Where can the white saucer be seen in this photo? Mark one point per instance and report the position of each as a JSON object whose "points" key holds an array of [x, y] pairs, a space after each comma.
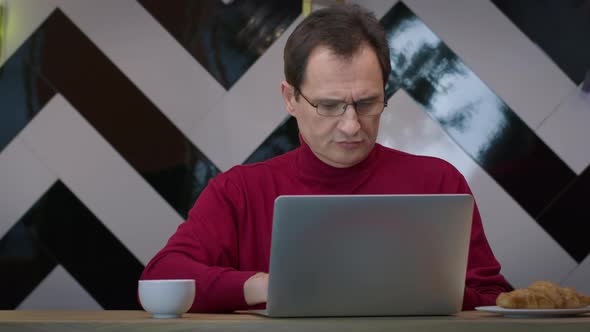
{"points": [[534, 312]]}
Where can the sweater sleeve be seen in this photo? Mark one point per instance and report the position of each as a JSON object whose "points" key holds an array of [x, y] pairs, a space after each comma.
{"points": [[204, 248], [483, 281]]}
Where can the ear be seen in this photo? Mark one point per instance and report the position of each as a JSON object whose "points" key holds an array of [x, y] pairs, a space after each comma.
{"points": [[288, 93]]}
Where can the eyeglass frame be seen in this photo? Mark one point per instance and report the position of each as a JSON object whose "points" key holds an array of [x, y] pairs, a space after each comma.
{"points": [[341, 102]]}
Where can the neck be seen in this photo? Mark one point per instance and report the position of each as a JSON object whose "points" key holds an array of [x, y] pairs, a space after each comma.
{"points": [[312, 168]]}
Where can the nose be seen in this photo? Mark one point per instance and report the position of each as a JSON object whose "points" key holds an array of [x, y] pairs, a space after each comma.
{"points": [[349, 123]]}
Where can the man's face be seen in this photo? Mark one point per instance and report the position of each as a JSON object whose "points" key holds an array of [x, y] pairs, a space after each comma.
{"points": [[345, 140]]}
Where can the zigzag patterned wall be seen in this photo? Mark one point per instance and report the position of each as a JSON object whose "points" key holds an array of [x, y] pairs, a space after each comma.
{"points": [[115, 114]]}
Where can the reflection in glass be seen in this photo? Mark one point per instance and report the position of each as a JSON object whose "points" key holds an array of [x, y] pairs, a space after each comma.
{"points": [[471, 114], [226, 39], [439, 80], [283, 139]]}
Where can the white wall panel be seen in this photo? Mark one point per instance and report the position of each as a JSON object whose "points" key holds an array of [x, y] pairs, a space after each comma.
{"points": [[101, 179], [566, 130], [152, 59], [59, 291], [23, 180], [579, 278], [379, 7], [248, 113]]}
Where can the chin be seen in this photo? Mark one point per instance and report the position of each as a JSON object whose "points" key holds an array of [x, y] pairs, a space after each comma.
{"points": [[350, 161]]}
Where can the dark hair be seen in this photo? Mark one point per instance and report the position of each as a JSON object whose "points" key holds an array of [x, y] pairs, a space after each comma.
{"points": [[344, 29]]}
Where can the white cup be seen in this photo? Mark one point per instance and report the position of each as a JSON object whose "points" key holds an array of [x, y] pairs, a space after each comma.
{"points": [[167, 298]]}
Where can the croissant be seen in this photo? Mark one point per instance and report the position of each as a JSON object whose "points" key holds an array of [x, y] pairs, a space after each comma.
{"points": [[543, 295]]}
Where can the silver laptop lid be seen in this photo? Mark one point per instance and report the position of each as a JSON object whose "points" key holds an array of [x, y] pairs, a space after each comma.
{"points": [[369, 255]]}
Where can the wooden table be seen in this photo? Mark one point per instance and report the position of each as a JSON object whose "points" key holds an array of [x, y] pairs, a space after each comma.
{"points": [[140, 321]]}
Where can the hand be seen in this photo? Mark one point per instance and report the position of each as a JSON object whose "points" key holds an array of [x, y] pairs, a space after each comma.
{"points": [[256, 289]]}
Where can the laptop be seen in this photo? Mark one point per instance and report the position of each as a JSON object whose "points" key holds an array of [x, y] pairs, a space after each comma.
{"points": [[368, 255]]}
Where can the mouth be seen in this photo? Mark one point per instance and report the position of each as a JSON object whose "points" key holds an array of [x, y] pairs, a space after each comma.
{"points": [[349, 145]]}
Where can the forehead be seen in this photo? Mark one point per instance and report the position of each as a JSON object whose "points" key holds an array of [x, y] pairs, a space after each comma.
{"points": [[326, 69]]}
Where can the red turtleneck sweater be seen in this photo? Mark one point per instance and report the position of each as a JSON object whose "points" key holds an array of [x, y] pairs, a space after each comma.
{"points": [[227, 236]]}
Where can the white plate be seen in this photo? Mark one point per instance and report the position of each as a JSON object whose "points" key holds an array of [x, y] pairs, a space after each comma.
{"points": [[534, 312]]}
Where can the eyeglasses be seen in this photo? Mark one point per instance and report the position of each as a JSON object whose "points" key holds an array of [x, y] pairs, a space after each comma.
{"points": [[337, 108]]}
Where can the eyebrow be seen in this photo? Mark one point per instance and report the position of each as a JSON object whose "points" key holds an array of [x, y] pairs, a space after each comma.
{"points": [[336, 100], [370, 98]]}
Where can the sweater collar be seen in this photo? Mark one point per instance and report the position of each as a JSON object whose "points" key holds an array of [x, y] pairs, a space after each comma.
{"points": [[311, 169]]}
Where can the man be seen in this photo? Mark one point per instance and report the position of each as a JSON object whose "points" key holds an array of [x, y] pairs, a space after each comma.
{"points": [[336, 66]]}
